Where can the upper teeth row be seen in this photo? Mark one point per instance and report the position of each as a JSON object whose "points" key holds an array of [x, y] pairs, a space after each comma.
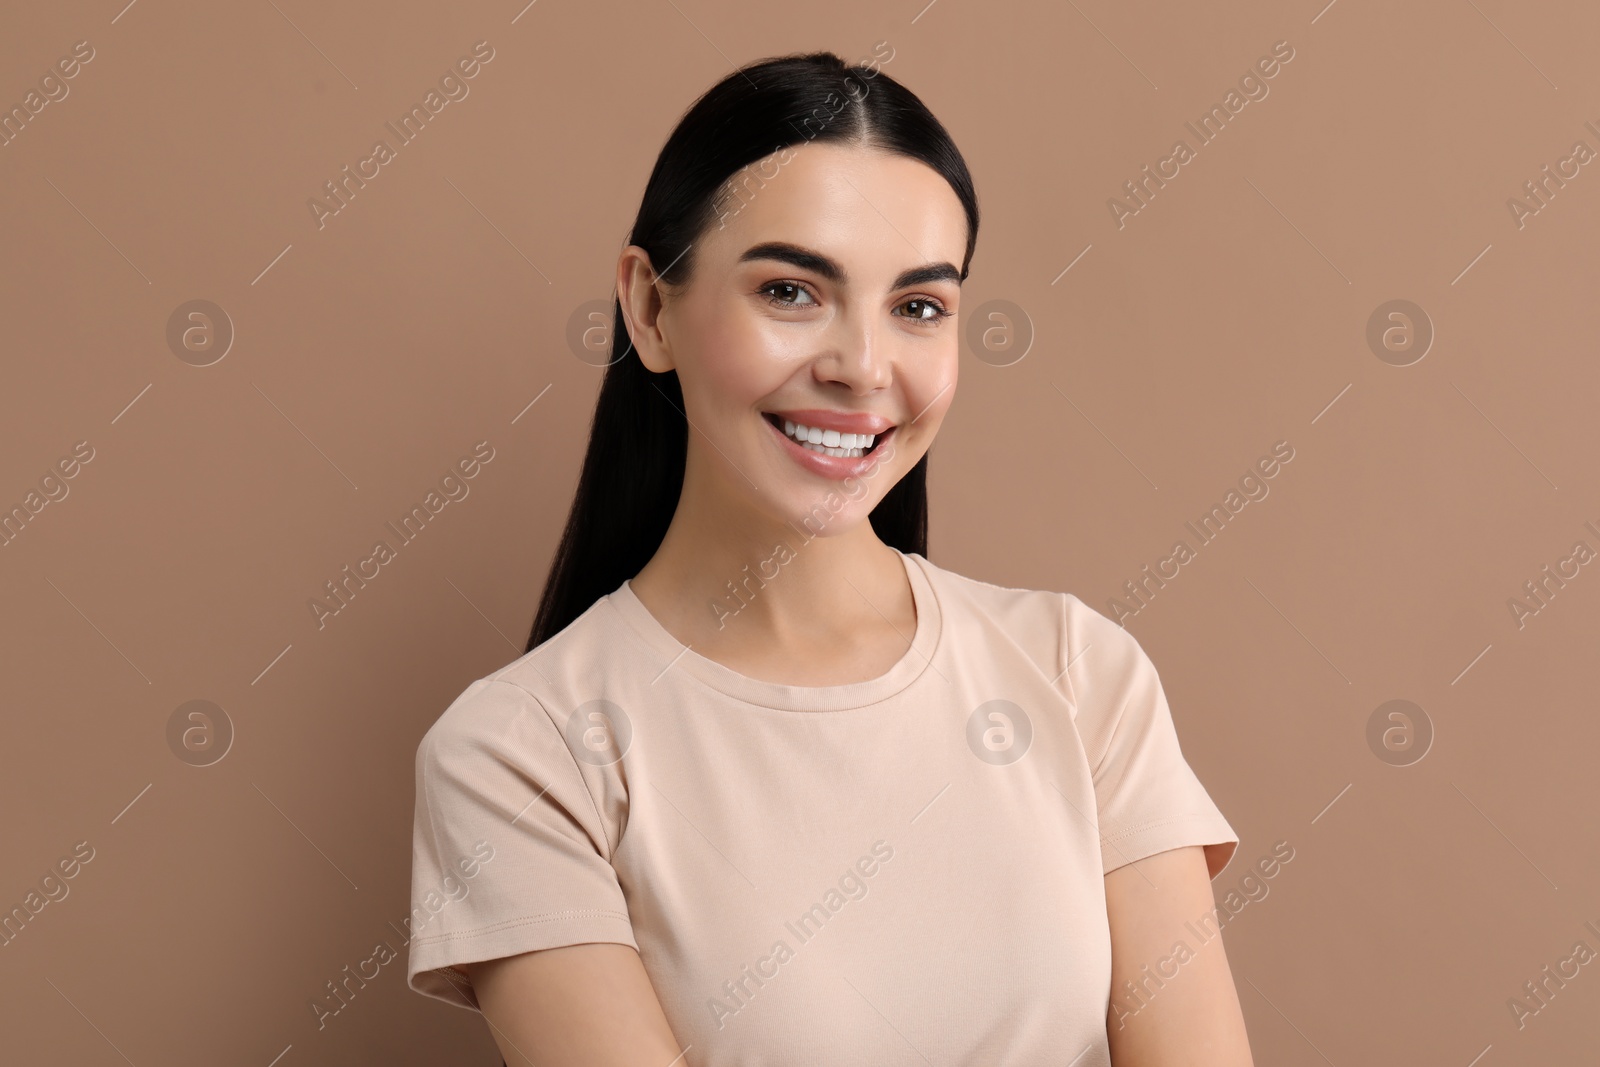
{"points": [[829, 438]]}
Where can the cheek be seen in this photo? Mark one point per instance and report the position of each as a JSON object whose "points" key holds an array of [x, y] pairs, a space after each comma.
{"points": [[930, 384], [739, 361]]}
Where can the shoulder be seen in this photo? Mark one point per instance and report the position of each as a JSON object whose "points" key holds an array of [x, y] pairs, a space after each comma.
{"points": [[1030, 618], [961, 592], [516, 697], [1051, 624]]}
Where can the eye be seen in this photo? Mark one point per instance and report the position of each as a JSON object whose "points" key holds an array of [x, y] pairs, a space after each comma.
{"points": [[927, 310], [787, 302]]}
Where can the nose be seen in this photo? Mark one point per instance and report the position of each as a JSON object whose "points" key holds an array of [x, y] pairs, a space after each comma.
{"points": [[857, 354]]}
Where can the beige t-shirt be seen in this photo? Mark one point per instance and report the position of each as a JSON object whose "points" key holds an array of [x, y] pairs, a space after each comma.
{"points": [[907, 870]]}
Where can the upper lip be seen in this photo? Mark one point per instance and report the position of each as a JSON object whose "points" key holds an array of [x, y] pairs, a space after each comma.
{"points": [[860, 422]]}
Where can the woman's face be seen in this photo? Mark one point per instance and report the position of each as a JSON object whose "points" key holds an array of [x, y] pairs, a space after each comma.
{"points": [[825, 299]]}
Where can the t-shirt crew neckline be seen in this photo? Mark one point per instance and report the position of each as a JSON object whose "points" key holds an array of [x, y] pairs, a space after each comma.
{"points": [[777, 695]]}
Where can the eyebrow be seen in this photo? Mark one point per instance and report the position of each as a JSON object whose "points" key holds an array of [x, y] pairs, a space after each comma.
{"points": [[817, 263]]}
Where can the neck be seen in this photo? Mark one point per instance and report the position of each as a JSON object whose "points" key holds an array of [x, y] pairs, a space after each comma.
{"points": [[726, 577]]}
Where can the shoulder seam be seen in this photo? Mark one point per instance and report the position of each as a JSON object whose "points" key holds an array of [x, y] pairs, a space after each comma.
{"points": [[611, 846], [1066, 658]]}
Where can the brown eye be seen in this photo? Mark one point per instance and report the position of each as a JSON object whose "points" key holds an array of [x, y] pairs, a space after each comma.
{"points": [[788, 288], [926, 310]]}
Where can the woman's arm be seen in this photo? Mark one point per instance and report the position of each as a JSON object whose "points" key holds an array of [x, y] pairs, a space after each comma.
{"points": [[1192, 1017], [586, 1005]]}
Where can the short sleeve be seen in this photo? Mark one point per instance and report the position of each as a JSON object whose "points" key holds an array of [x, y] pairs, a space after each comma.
{"points": [[509, 851], [1149, 798]]}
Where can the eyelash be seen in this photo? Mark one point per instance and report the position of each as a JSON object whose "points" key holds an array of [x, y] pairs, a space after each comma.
{"points": [[941, 312]]}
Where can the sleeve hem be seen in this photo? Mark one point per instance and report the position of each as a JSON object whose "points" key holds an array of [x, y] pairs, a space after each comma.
{"points": [[432, 962], [1211, 831]]}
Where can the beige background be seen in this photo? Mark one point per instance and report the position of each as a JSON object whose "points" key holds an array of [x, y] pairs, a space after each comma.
{"points": [[369, 355]]}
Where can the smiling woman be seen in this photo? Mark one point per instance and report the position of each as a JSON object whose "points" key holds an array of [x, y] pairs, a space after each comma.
{"points": [[669, 786]]}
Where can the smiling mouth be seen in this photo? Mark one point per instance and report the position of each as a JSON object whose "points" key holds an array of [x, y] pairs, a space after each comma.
{"points": [[827, 442]]}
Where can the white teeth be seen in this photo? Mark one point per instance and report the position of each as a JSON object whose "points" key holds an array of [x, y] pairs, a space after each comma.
{"points": [[829, 442]]}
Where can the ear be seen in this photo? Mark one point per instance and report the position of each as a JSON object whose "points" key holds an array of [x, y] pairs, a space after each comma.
{"points": [[640, 297]]}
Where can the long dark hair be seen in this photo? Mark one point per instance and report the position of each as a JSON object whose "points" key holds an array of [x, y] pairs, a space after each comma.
{"points": [[633, 469]]}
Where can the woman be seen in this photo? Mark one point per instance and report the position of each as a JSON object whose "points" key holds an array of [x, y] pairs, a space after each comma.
{"points": [[769, 787]]}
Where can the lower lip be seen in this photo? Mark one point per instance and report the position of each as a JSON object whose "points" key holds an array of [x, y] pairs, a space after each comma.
{"points": [[835, 467]]}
